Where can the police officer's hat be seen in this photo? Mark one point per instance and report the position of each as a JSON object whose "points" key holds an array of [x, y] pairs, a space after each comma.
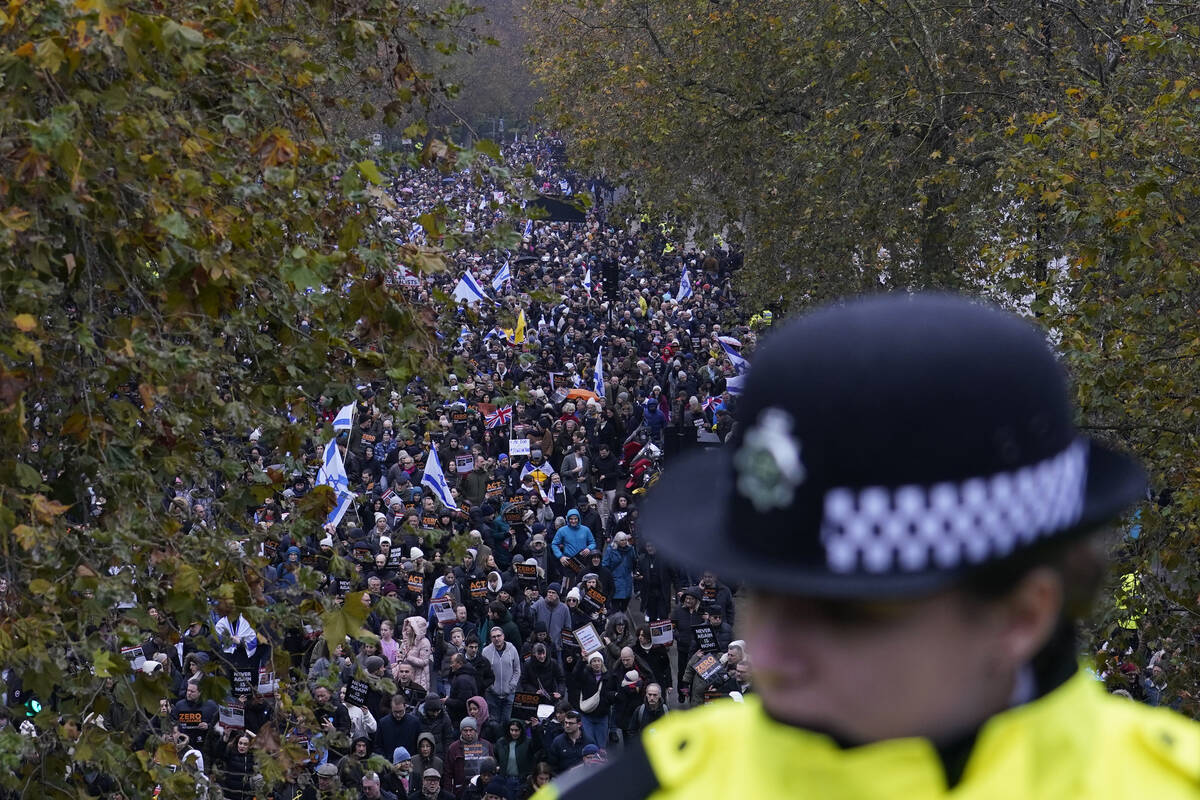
{"points": [[888, 447]]}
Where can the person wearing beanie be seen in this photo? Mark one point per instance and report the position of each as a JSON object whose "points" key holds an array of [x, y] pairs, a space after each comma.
{"points": [[457, 775], [588, 691], [400, 779]]}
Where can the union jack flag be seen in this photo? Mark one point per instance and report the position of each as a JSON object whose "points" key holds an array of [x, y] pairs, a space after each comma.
{"points": [[498, 418], [713, 404]]}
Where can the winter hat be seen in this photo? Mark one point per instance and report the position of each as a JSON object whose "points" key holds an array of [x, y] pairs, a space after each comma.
{"points": [[631, 678], [468, 722], [383, 539], [374, 663], [554, 587], [388, 588], [416, 553], [574, 594], [400, 754], [596, 656], [498, 787]]}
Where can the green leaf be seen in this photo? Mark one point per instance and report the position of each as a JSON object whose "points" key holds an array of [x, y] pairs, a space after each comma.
{"points": [[27, 476], [489, 148], [108, 664], [174, 224], [370, 171]]}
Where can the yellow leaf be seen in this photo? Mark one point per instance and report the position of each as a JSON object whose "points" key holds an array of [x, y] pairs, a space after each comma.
{"points": [[26, 536], [40, 586], [25, 322], [45, 510]]}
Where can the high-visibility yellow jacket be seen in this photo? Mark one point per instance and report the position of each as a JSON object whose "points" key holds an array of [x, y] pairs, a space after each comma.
{"points": [[1074, 742]]}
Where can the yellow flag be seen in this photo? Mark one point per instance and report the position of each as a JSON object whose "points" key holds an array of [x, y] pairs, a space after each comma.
{"points": [[519, 337]]}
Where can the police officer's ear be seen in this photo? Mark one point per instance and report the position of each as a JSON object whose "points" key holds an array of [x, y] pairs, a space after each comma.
{"points": [[1029, 614]]}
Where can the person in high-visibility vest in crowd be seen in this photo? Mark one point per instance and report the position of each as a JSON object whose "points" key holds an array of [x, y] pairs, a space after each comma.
{"points": [[909, 504]]}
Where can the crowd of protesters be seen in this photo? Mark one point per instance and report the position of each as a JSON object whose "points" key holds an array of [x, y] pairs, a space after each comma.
{"points": [[521, 625]]}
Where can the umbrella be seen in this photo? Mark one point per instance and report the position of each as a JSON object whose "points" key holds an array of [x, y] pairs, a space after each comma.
{"points": [[582, 394]]}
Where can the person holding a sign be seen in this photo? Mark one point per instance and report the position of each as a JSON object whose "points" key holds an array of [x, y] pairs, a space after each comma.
{"points": [[572, 540], [913, 509]]}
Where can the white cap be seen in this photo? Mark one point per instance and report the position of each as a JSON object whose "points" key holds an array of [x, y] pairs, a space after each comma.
{"points": [[416, 553]]}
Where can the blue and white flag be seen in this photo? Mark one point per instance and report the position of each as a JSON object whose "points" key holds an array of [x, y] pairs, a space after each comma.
{"points": [[503, 276], [344, 420], [333, 475], [740, 364], [528, 228], [469, 289], [685, 287], [587, 280], [735, 384], [435, 479], [598, 377]]}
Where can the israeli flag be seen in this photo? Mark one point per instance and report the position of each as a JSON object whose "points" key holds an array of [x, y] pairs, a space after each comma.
{"points": [[685, 287], [435, 479], [565, 186], [598, 378], [587, 280], [344, 420], [503, 276], [736, 384], [740, 364], [333, 475], [469, 289], [528, 228]]}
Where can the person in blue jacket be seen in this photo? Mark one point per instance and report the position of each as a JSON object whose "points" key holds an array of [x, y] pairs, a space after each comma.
{"points": [[620, 559], [654, 420], [572, 539]]}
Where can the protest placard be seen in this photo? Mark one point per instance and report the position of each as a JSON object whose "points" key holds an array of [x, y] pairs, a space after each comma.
{"points": [[706, 638], [356, 693], [443, 610], [464, 464], [526, 573], [593, 600], [525, 705], [135, 655], [662, 632], [241, 682], [708, 666], [232, 715], [589, 641], [518, 447]]}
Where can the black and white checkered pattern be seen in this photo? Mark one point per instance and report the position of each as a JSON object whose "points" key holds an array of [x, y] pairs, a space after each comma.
{"points": [[913, 528]]}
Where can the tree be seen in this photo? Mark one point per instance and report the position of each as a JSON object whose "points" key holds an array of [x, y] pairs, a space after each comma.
{"points": [[1038, 154], [190, 251]]}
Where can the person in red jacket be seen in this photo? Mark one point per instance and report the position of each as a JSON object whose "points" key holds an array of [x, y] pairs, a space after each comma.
{"points": [[464, 756]]}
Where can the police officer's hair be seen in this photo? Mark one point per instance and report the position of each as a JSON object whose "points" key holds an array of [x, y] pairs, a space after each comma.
{"points": [[1079, 563]]}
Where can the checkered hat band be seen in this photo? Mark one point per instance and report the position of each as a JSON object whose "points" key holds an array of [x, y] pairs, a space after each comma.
{"points": [[907, 529]]}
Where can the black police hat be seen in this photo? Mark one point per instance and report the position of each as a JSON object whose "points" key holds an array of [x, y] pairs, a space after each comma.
{"points": [[887, 447]]}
